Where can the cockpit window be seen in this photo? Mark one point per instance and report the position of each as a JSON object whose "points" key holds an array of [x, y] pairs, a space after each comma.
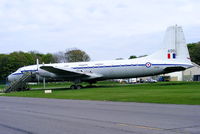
{"points": [[19, 70]]}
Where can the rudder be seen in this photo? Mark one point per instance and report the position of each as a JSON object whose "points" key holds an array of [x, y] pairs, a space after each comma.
{"points": [[175, 46]]}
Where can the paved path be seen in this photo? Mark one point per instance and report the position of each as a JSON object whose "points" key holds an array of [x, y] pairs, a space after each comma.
{"points": [[54, 116]]}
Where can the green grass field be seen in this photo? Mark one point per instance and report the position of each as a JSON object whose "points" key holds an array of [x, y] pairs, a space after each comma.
{"points": [[2, 87], [168, 93]]}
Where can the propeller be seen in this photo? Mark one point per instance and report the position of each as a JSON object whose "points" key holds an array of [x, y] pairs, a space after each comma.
{"points": [[37, 74], [37, 62]]}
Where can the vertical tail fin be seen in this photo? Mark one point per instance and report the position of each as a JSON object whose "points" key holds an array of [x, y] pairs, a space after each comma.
{"points": [[175, 46]]}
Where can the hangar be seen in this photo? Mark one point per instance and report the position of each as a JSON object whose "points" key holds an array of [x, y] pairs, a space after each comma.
{"points": [[191, 74]]}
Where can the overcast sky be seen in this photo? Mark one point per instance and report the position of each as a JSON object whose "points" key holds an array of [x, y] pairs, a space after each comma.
{"points": [[105, 29]]}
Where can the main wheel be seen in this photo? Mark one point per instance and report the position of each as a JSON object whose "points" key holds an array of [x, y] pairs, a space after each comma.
{"points": [[72, 87], [75, 87], [78, 87]]}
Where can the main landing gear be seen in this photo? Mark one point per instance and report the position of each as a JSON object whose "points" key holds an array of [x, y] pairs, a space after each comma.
{"points": [[76, 86]]}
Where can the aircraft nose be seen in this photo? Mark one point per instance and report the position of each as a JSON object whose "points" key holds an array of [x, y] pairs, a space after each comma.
{"points": [[10, 79]]}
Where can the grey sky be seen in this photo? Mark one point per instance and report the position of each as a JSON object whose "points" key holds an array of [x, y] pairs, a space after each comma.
{"points": [[105, 29]]}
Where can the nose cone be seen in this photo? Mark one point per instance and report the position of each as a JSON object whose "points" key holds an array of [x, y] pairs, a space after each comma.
{"points": [[10, 79]]}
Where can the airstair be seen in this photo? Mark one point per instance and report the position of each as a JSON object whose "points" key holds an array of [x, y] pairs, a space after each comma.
{"points": [[18, 85]]}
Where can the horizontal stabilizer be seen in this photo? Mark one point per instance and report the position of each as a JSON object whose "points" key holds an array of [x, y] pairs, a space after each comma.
{"points": [[173, 69]]}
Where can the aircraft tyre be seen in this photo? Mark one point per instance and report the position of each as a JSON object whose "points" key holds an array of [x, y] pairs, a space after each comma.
{"points": [[75, 87], [78, 87], [72, 87]]}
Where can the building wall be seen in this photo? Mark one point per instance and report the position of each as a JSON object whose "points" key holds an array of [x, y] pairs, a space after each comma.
{"points": [[176, 76], [186, 75], [192, 71]]}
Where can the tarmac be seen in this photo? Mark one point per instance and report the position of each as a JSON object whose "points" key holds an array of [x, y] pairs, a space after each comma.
{"points": [[56, 116]]}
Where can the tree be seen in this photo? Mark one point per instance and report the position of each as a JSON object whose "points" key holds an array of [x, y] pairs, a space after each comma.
{"points": [[119, 58], [5, 67], [11, 62], [132, 57], [60, 57], [194, 50], [142, 56], [48, 58], [76, 55]]}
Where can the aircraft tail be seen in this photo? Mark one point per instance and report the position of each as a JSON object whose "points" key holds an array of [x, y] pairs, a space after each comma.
{"points": [[175, 46]]}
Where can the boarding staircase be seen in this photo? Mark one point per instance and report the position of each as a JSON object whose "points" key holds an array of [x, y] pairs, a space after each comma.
{"points": [[19, 85]]}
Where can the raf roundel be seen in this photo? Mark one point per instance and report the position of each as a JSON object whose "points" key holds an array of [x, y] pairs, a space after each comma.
{"points": [[148, 64]]}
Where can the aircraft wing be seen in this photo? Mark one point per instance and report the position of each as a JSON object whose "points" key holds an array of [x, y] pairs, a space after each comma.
{"points": [[69, 72]]}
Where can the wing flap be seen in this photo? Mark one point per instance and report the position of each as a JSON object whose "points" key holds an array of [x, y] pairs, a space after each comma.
{"points": [[69, 72]]}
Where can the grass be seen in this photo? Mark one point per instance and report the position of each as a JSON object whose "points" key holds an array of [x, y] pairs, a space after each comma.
{"points": [[51, 85], [2, 87], [168, 93]]}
